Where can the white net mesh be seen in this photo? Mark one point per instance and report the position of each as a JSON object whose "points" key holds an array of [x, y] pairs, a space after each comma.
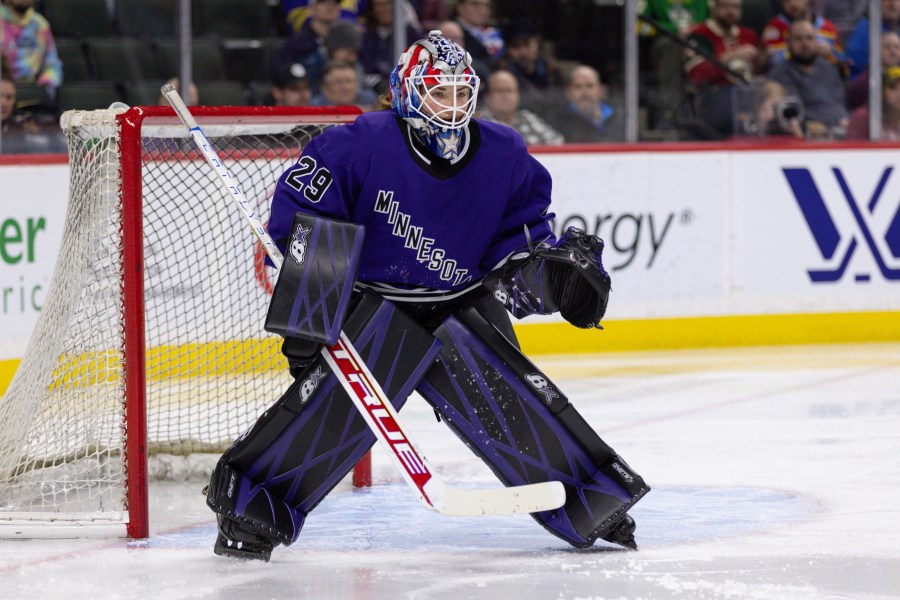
{"points": [[210, 368]]}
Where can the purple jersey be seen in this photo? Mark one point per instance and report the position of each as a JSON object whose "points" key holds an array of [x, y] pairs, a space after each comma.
{"points": [[429, 223]]}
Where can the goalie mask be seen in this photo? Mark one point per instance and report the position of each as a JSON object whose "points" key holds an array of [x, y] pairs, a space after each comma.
{"points": [[434, 89]]}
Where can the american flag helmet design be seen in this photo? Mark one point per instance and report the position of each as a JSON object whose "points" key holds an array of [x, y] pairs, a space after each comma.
{"points": [[434, 84]]}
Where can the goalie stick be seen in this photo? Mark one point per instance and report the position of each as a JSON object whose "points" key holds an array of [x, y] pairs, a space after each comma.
{"points": [[371, 401]]}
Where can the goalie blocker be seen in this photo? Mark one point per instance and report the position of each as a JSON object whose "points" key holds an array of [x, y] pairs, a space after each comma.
{"points": [[502, 407], [311, 295]]}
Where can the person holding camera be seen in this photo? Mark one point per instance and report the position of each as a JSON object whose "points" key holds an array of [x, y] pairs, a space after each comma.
{"points": [[815, 81], [773, 113]]}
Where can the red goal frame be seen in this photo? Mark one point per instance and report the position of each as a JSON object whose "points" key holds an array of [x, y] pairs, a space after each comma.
{"points": [[130, 124]]}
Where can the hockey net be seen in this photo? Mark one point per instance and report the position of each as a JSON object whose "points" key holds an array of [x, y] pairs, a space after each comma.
{"points": [[150, 342]]}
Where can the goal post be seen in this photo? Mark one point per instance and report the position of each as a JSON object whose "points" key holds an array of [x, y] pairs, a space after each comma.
{"points": [[151, 340]]}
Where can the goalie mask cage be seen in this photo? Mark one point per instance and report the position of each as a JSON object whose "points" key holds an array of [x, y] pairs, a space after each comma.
{"points": [[150, 342]]}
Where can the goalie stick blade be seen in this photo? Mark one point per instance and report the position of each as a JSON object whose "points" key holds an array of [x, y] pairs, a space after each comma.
{"points": [[466, 502]]}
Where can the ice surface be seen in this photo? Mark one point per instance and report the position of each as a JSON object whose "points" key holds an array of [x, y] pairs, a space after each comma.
{"points": [[775, 474]]}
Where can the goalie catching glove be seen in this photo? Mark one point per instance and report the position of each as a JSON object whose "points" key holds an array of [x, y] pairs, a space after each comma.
{"points": [[567, 277]]}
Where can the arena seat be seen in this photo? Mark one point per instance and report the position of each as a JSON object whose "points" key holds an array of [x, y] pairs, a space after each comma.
{"points": [[74, 60], [88, 95], [207, 61], [222, 93], [78, 18], [147, 18], [123, 59], [261, 92], [143, 93], [30, 95], [233, 18]]}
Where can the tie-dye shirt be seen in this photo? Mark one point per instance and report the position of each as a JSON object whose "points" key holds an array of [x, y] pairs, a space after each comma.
{"points": [[28, 47]]}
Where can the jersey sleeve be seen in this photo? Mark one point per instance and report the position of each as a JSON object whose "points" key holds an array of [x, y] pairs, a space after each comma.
{"points": [[319, 183], [697, 68], [51, 71], [527, 216], [857, 48]]}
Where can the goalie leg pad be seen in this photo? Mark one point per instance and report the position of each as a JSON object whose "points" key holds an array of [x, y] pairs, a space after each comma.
{"points": [[298, 450], [516, 420], [314, 285]]}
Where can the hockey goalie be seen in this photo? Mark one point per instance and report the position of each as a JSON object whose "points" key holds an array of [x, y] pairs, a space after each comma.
{"points": [[416, 231]]}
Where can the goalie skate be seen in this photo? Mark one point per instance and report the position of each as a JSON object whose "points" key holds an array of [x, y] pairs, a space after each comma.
{"points": [[623, 534], [238, 542]]}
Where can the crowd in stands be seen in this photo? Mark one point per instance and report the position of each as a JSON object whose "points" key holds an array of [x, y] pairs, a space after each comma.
{"points": [[804, 67], [709, 69]]}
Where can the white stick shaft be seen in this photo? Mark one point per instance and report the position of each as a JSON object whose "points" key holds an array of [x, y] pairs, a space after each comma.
{"points": [[228, 180]]}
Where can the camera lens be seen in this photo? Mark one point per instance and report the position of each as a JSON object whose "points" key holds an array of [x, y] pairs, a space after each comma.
{"points": [[789, 112]]}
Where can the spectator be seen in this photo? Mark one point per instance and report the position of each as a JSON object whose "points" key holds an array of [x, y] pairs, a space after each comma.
{"points": [[340, 87], [536, 72], [296, 12], [502, 99], [676, 17], [858, 44], [290, 86], [342, 44], [858, 90], [7, 96], [858, 128], [772, 113], [454, 32], [584, 116], [430, 13], [845, 14], [307, 46], [24, 133], [482, 41], [26, 43], [11, 134], [815, 81], [377, 54], [774, 36], [732, 45]]}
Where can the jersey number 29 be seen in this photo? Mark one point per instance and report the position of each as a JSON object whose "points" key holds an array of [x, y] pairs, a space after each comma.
{"points": [[317, 184]]}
